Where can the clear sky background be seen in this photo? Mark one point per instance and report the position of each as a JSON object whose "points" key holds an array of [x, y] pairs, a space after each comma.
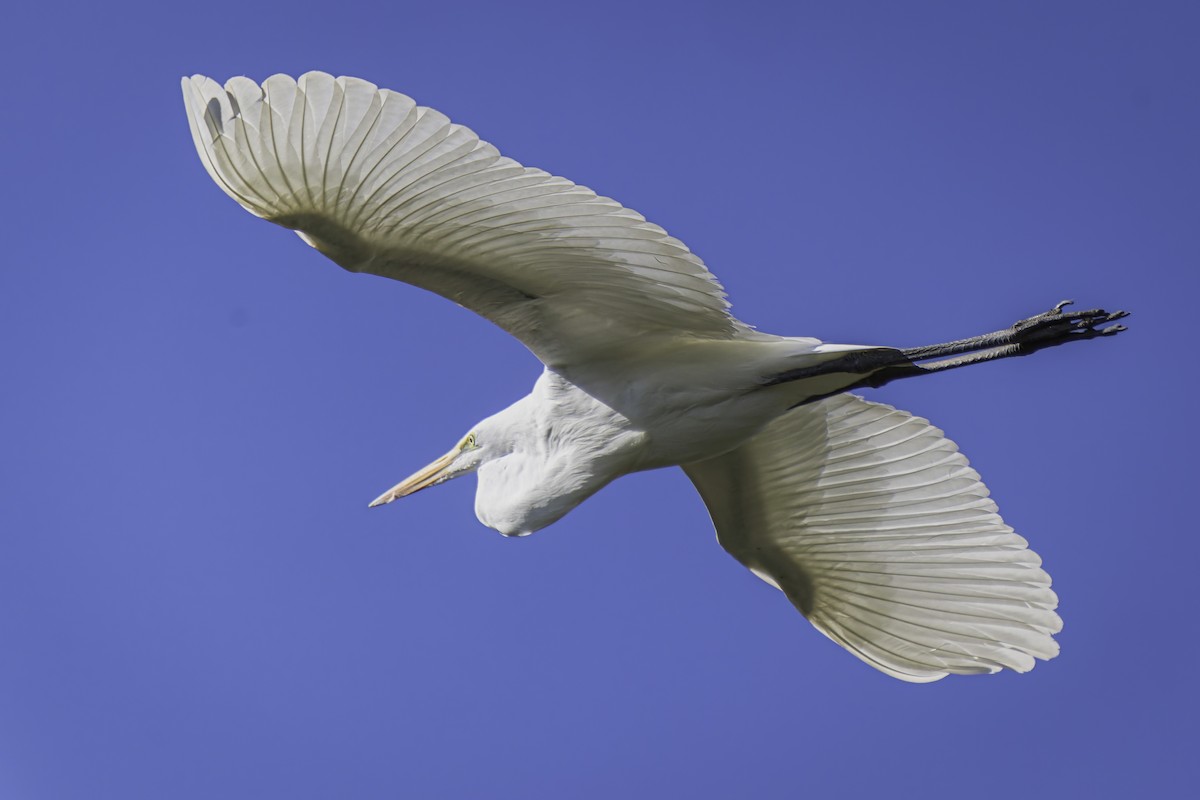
{"points": [[196, 408]]}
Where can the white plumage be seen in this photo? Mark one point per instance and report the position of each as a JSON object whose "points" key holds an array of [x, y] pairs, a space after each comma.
{"points": [[869, 520], [877, 529], [386, 186]]}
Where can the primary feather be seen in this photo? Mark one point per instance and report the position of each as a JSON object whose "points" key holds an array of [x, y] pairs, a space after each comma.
{"points": [[382, 185]]}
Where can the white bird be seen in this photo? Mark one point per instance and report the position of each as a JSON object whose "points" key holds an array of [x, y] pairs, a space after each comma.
{"points": [[867, 518]]}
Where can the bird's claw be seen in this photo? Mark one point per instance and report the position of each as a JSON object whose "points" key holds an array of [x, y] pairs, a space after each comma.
{"points": [[1057, 326]]}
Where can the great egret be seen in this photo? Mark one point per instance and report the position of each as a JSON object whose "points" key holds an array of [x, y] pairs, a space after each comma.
{"points": [[866, 517]]}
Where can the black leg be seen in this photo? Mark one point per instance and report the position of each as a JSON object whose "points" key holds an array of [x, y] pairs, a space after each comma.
{"points": [[1052, 328], [879, 366], [1038, 332]]}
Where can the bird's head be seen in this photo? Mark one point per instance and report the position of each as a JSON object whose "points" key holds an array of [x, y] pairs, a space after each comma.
{"points": [[464, 458]]}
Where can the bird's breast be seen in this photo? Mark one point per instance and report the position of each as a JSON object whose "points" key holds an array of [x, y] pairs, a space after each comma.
{"points": [[693, 429], [694, 399]]}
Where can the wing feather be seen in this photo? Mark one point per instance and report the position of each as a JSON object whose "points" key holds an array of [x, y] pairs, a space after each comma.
{"points": [[382, 185], [878, 530]]}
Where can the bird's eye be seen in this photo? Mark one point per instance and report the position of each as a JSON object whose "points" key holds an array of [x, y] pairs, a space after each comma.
{"points": [[469, 442]]}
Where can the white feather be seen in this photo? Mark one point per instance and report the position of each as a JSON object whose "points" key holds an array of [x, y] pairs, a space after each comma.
{"points": [[382, 185], [878, 530]]}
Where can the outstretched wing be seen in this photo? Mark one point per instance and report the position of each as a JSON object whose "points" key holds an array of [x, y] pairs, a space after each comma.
{"points": [[878, 530], [382, 185]]}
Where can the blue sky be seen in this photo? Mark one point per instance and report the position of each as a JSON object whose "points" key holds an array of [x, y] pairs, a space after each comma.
{"points": [[195, 601]]}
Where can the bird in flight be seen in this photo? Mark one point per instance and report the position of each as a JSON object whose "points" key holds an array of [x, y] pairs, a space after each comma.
{"points": [[866, 517]]}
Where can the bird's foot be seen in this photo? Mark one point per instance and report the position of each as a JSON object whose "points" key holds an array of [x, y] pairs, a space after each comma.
{"points": [[1058, 326]]}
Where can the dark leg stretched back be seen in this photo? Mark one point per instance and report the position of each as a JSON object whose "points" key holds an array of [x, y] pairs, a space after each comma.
{"points": [[1038, 332], [879, 366]]}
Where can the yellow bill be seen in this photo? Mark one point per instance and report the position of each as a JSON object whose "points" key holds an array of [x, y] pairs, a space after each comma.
{"points": [[428, 476]]}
